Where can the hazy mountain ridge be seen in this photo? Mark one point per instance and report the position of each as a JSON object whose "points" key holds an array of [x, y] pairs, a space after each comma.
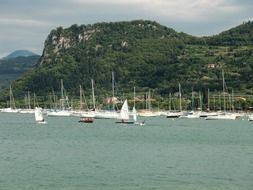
{"points": [[12, 68], [19, 53], [18, 64]]}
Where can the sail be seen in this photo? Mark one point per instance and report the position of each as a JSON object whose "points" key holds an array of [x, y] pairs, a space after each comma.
{"points": [[124, 113], [134, 114], [38, 114]]}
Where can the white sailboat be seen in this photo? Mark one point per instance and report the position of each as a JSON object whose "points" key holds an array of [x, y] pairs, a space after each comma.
{"points": [[64, 110], [28, 108], [225, 115], [12, 108], [106, 114], [176, 114], [250, 117], [222, 116], [148, 111], [124, 114], [134, 112], [39, 116], [191, 115]]}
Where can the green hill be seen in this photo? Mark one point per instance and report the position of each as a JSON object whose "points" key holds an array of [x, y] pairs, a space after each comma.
{"points": [[237, 36], [143, 54]]}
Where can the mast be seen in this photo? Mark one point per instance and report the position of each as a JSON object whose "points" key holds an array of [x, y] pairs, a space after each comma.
{"points": [[12, 101], [224, 99], [62, 95], [62, 88], [146, 100], [233, 107], [170, 102], [54, 100], [192, 99], [113, 104], [200, 101], [10, 96], [180, 101], [220, 99], [214, 106], [81, 100], [26, 102], [230, 101], [214, 103], [29, 100], [208, 101], [149, 101], [34, 105], [93, 95], [134, 96]]}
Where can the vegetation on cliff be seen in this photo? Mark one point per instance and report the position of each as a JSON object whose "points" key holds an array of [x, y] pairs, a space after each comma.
{"points": [[143, 54]]}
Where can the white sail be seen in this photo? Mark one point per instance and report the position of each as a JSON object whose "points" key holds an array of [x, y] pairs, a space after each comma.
{"points": [[38, 114], [250, 117], [134, 114], [124, 113]]}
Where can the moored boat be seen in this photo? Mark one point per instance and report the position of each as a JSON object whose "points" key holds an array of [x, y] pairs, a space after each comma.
{"points": [[59, 113], [223, 116]]}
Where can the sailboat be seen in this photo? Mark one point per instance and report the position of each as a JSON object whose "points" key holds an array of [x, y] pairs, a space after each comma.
{"points": [[39, 116], [64, 111], [148, 112], [134, 112], [250, 117], [176, 114], [106, 114], [124, 114], [12, 108], [225, 115], [83, 113], [28, 105]]}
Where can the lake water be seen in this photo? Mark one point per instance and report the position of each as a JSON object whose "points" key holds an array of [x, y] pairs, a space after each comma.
{"points": [[180, 154]]}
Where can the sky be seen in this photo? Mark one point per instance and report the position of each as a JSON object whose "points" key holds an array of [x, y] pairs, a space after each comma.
{"points": [[25, 24]]}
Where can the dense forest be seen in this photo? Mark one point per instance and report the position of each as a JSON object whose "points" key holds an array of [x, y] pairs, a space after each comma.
{"points": [[144, 55]]}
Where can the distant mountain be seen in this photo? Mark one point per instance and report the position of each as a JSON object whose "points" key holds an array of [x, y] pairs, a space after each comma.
{"points": [[19, 64], [12, 68], [19, 53]]}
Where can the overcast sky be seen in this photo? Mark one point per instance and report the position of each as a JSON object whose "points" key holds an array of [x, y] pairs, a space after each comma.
{"points": [[25, 24]]}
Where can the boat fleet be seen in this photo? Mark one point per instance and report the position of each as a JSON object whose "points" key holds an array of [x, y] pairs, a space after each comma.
{"points": [[122, 116]]}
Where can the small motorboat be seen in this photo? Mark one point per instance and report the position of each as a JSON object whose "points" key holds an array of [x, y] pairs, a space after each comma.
{"points": [[86, 120]]}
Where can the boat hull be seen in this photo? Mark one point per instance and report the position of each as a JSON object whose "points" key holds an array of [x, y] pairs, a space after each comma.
{"points": [[125, 122]]}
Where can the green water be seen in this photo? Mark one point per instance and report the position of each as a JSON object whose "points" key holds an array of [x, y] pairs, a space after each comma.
{"points": [[165, 154]]}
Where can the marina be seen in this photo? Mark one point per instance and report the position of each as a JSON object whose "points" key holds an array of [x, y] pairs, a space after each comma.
{"points": [[126, 95]]}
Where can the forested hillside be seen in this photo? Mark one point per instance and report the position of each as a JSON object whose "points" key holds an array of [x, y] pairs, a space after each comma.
{"points": [[143, 54]]}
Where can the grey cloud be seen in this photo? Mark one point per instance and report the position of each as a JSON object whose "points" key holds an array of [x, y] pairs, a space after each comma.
{"points": [[26, 23]]}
